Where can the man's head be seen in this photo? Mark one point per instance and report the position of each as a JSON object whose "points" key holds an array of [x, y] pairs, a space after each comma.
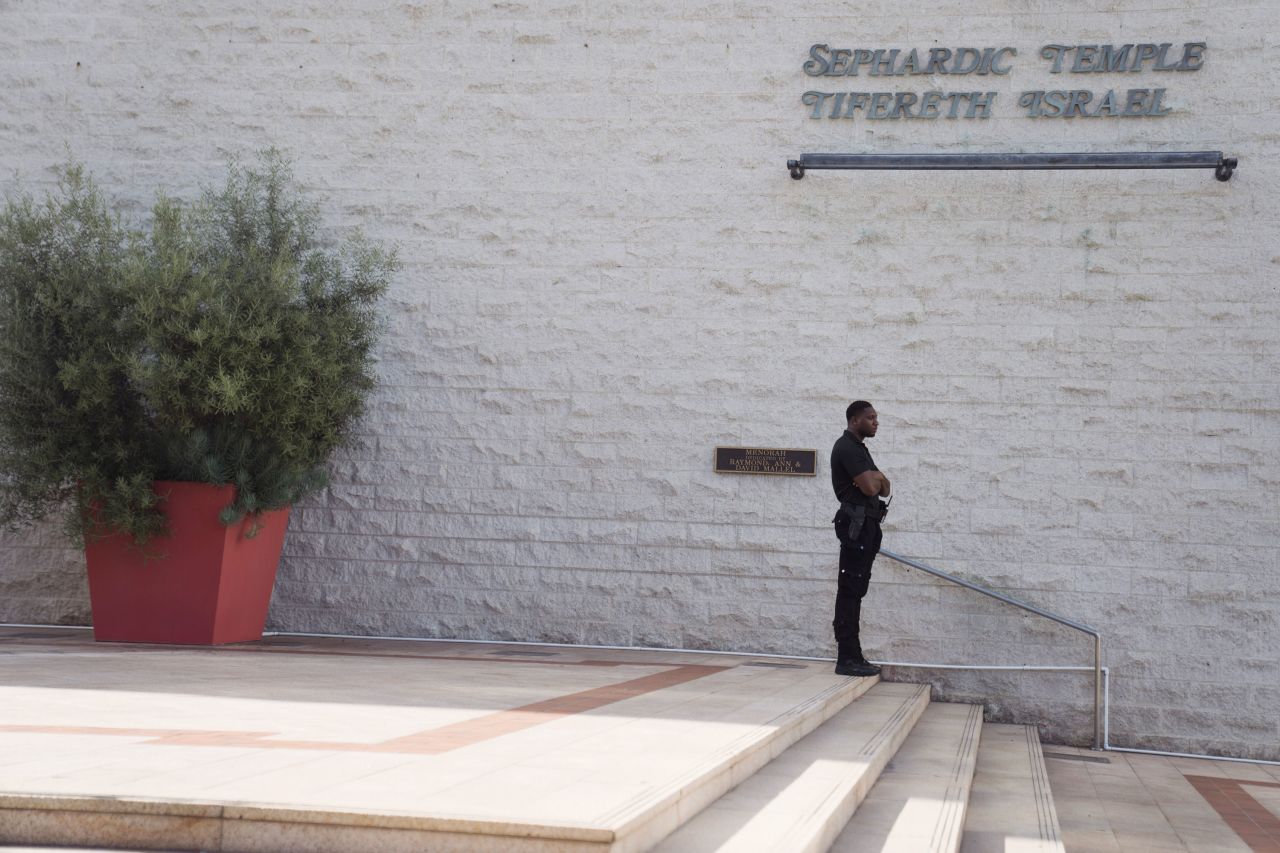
{"points": [[862, 418]]}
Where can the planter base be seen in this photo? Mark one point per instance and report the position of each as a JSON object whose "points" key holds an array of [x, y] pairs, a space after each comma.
{"points": [[203, 584]]}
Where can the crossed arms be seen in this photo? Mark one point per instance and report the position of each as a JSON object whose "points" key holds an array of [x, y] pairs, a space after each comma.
{"points": [[872, 483]]}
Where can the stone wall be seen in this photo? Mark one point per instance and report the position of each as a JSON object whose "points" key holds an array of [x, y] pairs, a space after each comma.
{"points": [[609, 272]]}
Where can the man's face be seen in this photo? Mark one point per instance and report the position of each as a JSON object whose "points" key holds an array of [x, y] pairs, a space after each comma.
{"points": [[865, 423]]}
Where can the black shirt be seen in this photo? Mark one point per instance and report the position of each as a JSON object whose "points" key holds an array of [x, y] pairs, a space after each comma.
{"points": [[849, 458]]}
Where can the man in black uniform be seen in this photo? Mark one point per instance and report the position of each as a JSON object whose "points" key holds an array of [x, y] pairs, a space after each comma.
{"points": [[859, 487]]}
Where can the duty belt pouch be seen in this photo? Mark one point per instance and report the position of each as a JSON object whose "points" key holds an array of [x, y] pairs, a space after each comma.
{"points": [[848, 522], [857, 514], [882, 508]]}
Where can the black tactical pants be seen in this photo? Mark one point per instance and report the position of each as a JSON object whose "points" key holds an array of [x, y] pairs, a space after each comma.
{"points": [[858, 551]]}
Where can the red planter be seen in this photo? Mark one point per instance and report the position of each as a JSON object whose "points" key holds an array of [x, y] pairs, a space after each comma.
{"points": [[203, 584]]}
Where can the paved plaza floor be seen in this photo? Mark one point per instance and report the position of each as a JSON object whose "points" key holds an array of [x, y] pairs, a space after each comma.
{"points": [[297, 740], [1116, 802], [571, 745]]}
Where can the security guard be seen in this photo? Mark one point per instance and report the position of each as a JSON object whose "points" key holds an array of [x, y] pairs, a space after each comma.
{"points": [[859, 487]]}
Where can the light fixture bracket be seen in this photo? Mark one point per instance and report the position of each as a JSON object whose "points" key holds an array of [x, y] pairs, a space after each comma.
{"points": [[1223, 167]]}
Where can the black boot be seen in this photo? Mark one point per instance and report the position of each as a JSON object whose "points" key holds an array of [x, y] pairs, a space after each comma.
{"points": [[857, 667], [849, 661]]}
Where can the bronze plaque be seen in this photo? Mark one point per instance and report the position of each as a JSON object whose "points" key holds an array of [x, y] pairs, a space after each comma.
{"points": [[766, 460]]}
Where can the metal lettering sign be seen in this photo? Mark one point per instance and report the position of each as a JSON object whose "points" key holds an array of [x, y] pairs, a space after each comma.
{"points": [[826, 61], [766, 460]]}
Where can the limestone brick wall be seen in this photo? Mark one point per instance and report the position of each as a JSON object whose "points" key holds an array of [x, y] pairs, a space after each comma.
{"points": [[608, 271]]}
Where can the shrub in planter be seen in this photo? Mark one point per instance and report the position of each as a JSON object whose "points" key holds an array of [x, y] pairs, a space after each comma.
{"points": [[225, 343]]}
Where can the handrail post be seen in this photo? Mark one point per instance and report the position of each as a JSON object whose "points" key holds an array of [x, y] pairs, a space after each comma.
{"points": [[1098, 721], [1097, 691]]}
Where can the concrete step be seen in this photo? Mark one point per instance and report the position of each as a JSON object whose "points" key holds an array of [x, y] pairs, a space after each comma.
{"points": [[710, 770], [1011, 805], [801, 800], [380, 746], [918, 804]]}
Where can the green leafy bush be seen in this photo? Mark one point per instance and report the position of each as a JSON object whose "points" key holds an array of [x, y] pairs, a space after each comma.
{"points": [[223, 343]]}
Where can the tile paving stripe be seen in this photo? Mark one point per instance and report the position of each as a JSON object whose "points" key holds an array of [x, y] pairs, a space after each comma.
{"points": [[1062, 756], [1248, 818], [890, 726], [494, 725], [949, 826], [1045, 811], [431, 741]]}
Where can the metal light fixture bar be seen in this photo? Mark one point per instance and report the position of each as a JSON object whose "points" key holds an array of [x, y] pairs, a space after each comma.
{"points": [[1222, 166]]}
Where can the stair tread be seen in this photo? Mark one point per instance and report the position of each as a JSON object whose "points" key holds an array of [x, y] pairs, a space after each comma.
{"points": [[1011, 800], [801, 800], [601, 750], [919, 802]]}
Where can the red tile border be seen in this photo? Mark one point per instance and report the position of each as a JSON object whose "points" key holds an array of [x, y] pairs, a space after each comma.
{"points": [[431, 741], [1248, 818], [494, 725]]}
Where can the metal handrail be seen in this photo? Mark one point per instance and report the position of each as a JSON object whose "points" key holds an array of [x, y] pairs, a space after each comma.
{"points": [[1030, 608], [1223, 167]]}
